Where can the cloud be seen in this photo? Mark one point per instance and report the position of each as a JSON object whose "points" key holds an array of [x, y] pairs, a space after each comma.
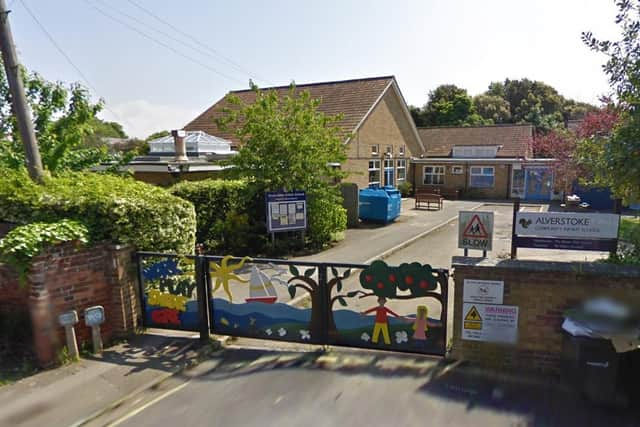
{"points": [[141, 118]]}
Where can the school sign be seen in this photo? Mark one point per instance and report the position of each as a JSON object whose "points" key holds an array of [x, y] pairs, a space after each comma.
{"points": [[475, 230]]}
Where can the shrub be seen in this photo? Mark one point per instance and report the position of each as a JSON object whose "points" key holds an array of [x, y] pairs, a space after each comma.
{"points": [[24, 242], [325, 217], [116, 209], [231, 217], [405, 188], [229, 214]]}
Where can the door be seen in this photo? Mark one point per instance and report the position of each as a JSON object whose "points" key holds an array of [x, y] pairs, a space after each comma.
{"points": [[538, 183]]}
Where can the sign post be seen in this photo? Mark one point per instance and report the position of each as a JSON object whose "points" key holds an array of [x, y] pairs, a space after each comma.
{"points": [[94, 317], [67, 320], [475, 231]]}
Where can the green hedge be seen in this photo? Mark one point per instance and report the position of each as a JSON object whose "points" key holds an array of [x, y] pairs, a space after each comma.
{"points": [[113, 208], [231, 217], [226, 215]]}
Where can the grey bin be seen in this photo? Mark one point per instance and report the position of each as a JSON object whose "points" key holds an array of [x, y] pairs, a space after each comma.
{"points": [[379, 204], [600, 354]]}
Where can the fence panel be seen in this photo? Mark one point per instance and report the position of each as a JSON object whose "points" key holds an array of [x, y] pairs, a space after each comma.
{"points": [[396, 308], [168, 291]]}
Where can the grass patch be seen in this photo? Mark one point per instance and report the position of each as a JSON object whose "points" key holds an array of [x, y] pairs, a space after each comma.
{"points": [[629, 229]]}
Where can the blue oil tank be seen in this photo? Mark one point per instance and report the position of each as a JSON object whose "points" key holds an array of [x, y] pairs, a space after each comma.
{"points": [[379, 204]]}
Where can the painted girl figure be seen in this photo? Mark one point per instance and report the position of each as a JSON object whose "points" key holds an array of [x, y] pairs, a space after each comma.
{"points": [[420, 327]]}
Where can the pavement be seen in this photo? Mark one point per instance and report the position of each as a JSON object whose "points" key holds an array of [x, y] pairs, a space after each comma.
{"points": [[78, 391], [371, 241]]}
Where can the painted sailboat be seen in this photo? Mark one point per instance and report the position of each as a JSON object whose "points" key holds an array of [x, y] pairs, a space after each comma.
{"points": [[260, 287]]}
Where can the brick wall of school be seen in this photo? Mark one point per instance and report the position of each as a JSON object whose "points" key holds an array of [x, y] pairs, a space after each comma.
{"points": [[67, 278], [542, 291]]}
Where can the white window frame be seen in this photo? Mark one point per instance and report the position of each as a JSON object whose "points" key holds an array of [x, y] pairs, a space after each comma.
{"points": [[401, 166], [482, 171], [436, 171], [374, 165], [457, 170], [389, 149], [388, 166], [401, 151], [375, 149]]}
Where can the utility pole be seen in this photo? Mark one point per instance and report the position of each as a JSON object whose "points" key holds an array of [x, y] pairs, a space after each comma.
{"points": [[18, 99]]}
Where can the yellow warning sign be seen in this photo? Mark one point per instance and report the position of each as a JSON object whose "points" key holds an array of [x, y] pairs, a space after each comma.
{"points": [[473, 325], [473, 315], [473, 320]]}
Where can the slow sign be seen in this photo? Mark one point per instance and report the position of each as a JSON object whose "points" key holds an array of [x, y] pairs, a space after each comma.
{"points": [[475, 230]]}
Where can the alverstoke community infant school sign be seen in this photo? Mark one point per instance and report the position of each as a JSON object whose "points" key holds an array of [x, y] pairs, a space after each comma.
{"points": [[565, 230]]}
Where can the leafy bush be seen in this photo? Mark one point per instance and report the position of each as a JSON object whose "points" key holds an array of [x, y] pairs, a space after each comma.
{"points": [[227, 214], [231, 217], [405, 188], [24, 242], [325, 217], [629, 244], [116, 209]]}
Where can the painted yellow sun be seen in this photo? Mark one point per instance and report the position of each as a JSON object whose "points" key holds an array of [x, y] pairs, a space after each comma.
{"points": [[224, 272]]}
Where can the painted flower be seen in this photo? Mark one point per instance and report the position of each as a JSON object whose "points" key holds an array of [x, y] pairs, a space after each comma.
{"points": [[401, 336], [365, 337], [282, 332], [304, 334], [269, 331]]}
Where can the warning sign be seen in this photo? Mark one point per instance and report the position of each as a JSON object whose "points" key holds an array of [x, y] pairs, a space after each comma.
{"points": [[475, 230], [490, 322], [473, 320]]}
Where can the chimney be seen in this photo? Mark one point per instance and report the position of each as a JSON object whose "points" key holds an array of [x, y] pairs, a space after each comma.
{"points": [[180, 146]]}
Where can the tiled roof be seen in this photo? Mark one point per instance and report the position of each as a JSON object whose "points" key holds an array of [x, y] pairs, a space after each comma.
{"points": [[515, 140], [352, 98]]}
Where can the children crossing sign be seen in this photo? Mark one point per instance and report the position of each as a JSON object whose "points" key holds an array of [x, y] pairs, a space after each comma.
{"points": [[475, 230]]}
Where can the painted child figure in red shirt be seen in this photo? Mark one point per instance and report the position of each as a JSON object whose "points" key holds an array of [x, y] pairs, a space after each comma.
{"points": [[382, 322]]}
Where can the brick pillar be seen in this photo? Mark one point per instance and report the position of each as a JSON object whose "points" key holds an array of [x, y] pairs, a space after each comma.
{"points": [[45, 336], [123, 279]]}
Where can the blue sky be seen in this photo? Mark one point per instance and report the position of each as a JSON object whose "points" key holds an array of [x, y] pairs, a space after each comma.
{"points": [[423, 43]]}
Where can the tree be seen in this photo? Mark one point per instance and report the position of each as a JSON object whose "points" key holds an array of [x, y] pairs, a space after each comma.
{"points": [[62, 117], [287, 144], [617, 164], [157, 135], [448, 105], [577, 152], [102, 129], [492, 107]]}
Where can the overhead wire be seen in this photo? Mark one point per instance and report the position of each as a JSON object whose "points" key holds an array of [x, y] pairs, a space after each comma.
{"points": [[162, 43], [197, 41], [68, 58]]}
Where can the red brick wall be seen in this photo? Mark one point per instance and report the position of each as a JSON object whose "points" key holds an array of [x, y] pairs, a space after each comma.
{"points": [[67, 278], [12, 296], [542, 291]]}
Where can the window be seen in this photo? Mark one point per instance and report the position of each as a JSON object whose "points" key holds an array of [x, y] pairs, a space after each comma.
{"points": [[486, 151], [374, 149], [401, 170], [457, 170], [433, 175], [482, 177], [401, 150], [389, 149], [388, 172], [374, 171]]}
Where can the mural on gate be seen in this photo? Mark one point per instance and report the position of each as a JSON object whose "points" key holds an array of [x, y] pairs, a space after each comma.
{"points": [[261, 315], [169, 291], [380, 327]]}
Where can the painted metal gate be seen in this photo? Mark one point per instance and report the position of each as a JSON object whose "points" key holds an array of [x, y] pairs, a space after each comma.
{"points": [[398, 308]]}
